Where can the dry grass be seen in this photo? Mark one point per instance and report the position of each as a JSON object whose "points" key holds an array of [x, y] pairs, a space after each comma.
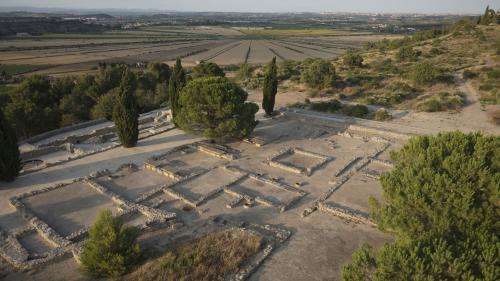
{"points": [[209, 258], [494, 116]]}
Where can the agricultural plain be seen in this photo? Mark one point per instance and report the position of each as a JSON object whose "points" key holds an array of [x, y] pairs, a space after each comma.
{"points": [[79, 53]]}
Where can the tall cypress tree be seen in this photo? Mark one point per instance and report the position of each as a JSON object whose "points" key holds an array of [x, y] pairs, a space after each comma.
{"points": [[177, 82], [125, 113], [270, 87], [10, 160]]}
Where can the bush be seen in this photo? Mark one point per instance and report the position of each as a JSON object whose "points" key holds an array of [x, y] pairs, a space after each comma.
{"points": [[425, 73], [318, 73], [441, 102], [206, 69], [382, 115], [352, 59], [111, 249], [407, 53], [358, 110], [216, 108], [441, 203], [288, 69], [331, 106]]}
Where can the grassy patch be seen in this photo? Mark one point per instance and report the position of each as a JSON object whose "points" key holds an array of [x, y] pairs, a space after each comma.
{"points": [[441, 102], [212, 257]]}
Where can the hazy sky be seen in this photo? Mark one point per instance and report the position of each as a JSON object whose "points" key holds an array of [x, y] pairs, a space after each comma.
{"points": [[428, 6]]}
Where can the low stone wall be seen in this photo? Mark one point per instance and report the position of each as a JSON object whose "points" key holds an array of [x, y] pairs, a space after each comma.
{"points": [[346, 213], [274, 161]]}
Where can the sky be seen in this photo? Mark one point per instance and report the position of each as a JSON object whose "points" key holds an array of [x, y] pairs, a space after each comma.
{"points": [[392, 6]]}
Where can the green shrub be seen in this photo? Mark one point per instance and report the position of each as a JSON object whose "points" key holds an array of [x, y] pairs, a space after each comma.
{"points": [[352, 59], [357, 110], [331, 106], [216, 108], [407, 53], [318, 73], [206, 69], [441, 102], [288, 69], [425, 73], [441, 203], [111, 249]]}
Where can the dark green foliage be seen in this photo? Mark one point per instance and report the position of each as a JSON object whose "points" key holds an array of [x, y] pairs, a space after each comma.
{"points": [[407, 53], [356, 110], [177, 82], [125, 113], [331, 106], [205, 69], [10, 161], [216, 108], [37, 105], [352, 59], [161, 71], [111, 249], [318, 73], [31, 108], [441, 203], [105, 106], [270, 87]]}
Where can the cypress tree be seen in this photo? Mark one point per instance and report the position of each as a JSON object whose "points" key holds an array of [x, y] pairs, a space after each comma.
{"points": [[10, 160], [177, 82], [270, 87], [125, 113]]}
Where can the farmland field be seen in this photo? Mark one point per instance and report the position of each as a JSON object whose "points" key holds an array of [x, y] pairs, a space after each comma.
{"points": [[56, 54]]}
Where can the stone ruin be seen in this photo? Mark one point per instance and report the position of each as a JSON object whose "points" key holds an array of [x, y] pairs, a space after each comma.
{"points": [[63, 146]]}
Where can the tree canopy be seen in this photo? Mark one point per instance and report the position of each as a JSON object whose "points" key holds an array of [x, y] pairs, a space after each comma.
{"points": [[177, 82], [270, 87], [441, 202], [10, 161], [111, 249], [216, 108], [125, 113], [205, 69]]}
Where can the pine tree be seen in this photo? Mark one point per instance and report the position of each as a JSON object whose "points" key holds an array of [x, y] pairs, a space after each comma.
{"points": [[270, 87], [177, 82], [111, 249], [10, 161], [125, 113]]}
